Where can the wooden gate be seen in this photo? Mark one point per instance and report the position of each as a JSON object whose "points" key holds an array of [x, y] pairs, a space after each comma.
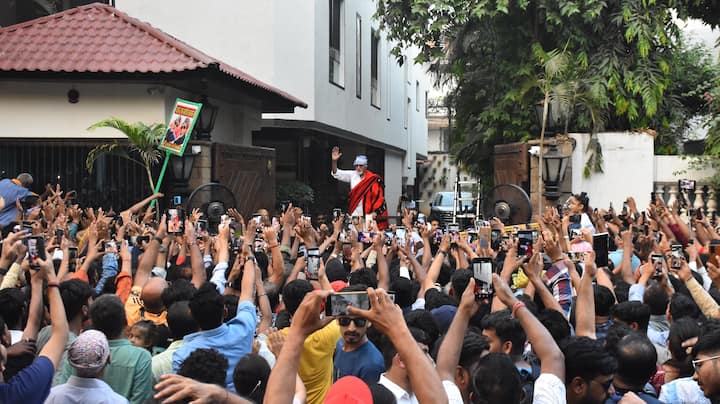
{"points": [[249, 172], [512, 165]]}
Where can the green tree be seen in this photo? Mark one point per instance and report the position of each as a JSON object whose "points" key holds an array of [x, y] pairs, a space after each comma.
{"points": [[627, 50], [142, 146]]}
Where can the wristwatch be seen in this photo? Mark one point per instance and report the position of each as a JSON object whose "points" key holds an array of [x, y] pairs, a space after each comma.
{"points": [[229, 284], [162, 249], [251, 258]]}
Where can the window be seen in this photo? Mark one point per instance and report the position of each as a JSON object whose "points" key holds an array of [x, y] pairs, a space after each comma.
{"points": [[374, 68], [336, 40], [388, 88], [417, 96], [358, 56], [406, 116], [426, 104]]}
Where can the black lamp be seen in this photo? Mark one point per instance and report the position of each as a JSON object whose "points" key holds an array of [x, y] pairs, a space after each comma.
{"points": [[550, 123], [553, 172], [182, 168], [206, 120]]}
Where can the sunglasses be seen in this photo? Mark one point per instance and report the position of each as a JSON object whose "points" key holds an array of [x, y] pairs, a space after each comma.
{"points": [[345, 321]]}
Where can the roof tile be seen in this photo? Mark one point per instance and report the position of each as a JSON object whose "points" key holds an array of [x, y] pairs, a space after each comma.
{"points": [[99, 38]]}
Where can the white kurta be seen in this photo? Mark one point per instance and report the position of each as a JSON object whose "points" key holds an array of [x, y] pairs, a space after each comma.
{"points": [[353, 178]]}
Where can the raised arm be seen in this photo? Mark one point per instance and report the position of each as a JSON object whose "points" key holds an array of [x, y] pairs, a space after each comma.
{"points": [[551, 357], [335, 156], [436, 265], [199, 276], [305, 321], [449, 354], [147, 261], [127, 214], [55, 346], [35, 310], [277, 270], [585, 305], [387, 318], [383, 273]]}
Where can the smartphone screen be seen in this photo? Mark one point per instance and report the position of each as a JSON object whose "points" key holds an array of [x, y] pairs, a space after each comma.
{"points": [[36, 249], [525, 240], [177, 200], [482, 272], [175, 220], [237, 245], [657, 261], [72, 253], [400, 235], [337, 303], [600, 245], [201, 226], [676, 252], [312, 263], [59, 234], [495, 236]]}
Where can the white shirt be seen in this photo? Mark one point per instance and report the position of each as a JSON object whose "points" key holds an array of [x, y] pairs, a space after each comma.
{"points": [[549, 389], [80, 390], [353, 178], [15, 336], [453, 392], [401, 396]]}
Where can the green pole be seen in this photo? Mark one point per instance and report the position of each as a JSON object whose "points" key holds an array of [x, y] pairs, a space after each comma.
{"points": [[158, 184]]}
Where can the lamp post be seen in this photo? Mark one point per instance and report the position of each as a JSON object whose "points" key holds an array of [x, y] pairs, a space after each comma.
{"points": [[206, 120], [553, 172], [182, 171]]}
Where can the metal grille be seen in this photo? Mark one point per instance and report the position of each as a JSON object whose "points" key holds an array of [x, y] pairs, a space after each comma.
{"points": [[114, 183]]}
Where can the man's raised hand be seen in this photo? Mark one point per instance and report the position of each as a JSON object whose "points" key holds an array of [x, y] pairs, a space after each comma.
{"points": [[336, 153]]}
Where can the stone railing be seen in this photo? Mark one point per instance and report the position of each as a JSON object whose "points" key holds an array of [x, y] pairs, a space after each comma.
{"points": [[704, 197]]}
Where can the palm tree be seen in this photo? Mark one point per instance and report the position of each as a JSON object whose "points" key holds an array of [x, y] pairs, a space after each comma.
{"points": [[564, 81], [142, 146]]}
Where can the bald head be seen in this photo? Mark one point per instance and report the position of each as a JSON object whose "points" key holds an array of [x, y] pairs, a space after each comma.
{"points": [[151, 295]]}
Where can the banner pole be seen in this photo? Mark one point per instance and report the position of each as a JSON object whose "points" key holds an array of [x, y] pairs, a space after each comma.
{"points": [[158, 184]]}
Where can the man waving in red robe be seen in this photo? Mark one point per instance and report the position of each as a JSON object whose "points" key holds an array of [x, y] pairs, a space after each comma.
{"points": [[367, 189]]}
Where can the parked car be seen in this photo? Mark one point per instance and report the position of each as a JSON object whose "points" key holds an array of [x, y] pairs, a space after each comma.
{"points": [[442, 205]]}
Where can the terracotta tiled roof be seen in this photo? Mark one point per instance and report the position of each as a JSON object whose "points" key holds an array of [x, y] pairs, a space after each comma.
{"points": [[98, 38]]}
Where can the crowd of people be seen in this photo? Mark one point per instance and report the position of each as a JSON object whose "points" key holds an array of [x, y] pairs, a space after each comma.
{"points": [[110, 307]]}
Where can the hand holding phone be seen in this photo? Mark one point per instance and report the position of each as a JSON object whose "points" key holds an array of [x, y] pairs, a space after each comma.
{"points": [[482, 273], [337, 303]]}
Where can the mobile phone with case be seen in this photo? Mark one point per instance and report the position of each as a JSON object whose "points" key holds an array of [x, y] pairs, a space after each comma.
{"points": [[601, 244], [35, 249], [312, 263], [482, 273], [175, 220], [525, 243], [337, 303]]}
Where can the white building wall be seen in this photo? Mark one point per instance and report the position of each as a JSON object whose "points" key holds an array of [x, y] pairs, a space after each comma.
{"points": [[42, 110], [629, 168], [286, 44]]}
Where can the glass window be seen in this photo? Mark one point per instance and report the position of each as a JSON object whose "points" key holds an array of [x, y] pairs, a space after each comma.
{"points": [[374, 69], [336, 40], [358, 56]]}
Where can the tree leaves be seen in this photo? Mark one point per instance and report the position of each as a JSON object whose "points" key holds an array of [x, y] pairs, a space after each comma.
{"points": [[624, 53]]}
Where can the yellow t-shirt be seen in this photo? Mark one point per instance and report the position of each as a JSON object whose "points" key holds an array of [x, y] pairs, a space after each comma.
{"points": [[316, 361], [135, 312]]}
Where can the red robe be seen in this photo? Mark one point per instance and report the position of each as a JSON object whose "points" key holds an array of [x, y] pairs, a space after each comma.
{"points": [[371, 192]]}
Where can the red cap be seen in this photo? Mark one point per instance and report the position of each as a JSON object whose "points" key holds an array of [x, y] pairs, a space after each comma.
{"points": [[349, 390]]}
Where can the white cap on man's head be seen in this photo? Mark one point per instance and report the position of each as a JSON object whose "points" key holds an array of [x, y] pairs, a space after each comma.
{"points": [[361, 160]]}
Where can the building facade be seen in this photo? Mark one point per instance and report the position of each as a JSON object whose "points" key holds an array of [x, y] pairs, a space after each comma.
{"points": [[62, 73], [330, 54]]}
